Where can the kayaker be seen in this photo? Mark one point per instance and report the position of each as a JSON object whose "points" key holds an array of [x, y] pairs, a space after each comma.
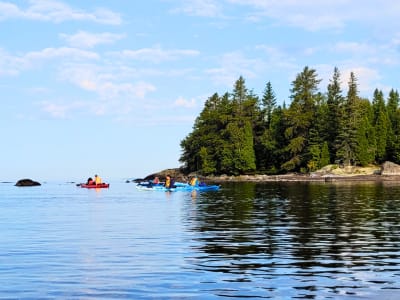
{"points": [[90, 181], [156, 180], [194, 181], [169, 182], [97, 179]]}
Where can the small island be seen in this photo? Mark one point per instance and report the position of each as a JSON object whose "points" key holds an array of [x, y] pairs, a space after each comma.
{"points": [[27, 182], [324, 133]]}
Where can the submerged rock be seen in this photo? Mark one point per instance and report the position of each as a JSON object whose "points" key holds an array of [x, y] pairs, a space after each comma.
{"points": [[27, 182]]}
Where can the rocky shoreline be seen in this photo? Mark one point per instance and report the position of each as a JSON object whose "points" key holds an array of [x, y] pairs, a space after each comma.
{"points": [[302, 178], [388, 171]]}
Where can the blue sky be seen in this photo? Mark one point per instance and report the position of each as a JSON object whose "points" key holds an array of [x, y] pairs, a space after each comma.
{"points": [[112, 87]]}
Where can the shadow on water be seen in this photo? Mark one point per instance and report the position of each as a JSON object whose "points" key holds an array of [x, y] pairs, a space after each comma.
{"points": [[305, 238]]}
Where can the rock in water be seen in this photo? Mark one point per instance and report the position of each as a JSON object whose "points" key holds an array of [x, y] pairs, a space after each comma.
{"points": [[27, 182]]}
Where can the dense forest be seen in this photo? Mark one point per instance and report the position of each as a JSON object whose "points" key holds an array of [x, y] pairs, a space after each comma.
{"points": [[242, 133]]}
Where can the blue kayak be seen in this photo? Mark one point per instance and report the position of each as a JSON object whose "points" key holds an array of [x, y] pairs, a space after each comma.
{"points": [[178, 187]]}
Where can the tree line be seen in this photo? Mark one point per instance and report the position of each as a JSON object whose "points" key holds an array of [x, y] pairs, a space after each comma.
{"points": [[242, 133]]}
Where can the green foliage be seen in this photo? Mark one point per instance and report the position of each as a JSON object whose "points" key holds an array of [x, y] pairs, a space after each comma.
{"points": [[381, 124], [239, 133], [393, 140], [335, 112], [207, 163], [300, 117], [324, 159]]}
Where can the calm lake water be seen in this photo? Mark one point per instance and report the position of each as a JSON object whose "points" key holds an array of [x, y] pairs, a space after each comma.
{"points": [[272, 240]]}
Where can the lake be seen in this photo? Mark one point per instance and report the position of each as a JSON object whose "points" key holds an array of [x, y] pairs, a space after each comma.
{"points": [[248, 240]]}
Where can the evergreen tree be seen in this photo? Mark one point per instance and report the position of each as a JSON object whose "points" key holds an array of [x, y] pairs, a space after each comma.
{"points": [[381, 125], [366, 141], [325, 157], [300, 117], [269, 103], [208, 164], [317, 134], [206, 134], [347, 139], [393, 141], [264, 143], [335, 102], [239, 132]]}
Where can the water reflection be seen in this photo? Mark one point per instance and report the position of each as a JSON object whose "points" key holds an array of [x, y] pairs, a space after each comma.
{"points": [[305, 238]]}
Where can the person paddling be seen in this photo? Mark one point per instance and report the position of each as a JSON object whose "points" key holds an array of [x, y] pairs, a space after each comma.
{"points": [[97, 179], [169, 182], [194, 181]]}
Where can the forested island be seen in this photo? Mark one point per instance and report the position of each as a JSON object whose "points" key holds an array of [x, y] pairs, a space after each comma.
{"points": [[241, 133]]}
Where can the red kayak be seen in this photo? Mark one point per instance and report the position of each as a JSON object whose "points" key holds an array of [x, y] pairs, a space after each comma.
{"points": [[95, 186]]}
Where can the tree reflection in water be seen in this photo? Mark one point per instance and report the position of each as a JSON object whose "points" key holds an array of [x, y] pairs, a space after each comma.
{"points": [[312, 230]]}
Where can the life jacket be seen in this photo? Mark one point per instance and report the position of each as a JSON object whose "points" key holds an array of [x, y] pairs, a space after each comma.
{"points": [[167, 183], [194, 181]]}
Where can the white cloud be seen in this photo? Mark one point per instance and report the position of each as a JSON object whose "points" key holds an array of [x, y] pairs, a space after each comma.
{"points": [[157, 55], [308, 14], [13, 65], [60, 110], [57, 12], [186, 103], [83, 39], [233, 65], [200, 8], [63, 52], [353, 48], [385, 53], [107, 83], [367, 78]]}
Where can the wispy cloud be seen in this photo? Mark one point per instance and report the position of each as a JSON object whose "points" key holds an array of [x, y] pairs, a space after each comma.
{"points": [[14, 64], [185, 103], [57, 12], [201, 8], [106, 82], [233, 65], [60, 110], [157, 54], [308, 14], [84, 39]]}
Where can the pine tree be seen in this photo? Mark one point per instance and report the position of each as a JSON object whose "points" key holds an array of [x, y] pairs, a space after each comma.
{"points": [[325, 158], [381, 125], [335, 102], [239, 132], [206, 134], [393, 141], [269, 103], [300, 117], [366, 142], [347, 139], [264, 141], [317, 134]]}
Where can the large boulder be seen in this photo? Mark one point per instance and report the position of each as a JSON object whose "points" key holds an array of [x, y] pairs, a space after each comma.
{"points": [[27, 182], [176, 173], [389, 168]]}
